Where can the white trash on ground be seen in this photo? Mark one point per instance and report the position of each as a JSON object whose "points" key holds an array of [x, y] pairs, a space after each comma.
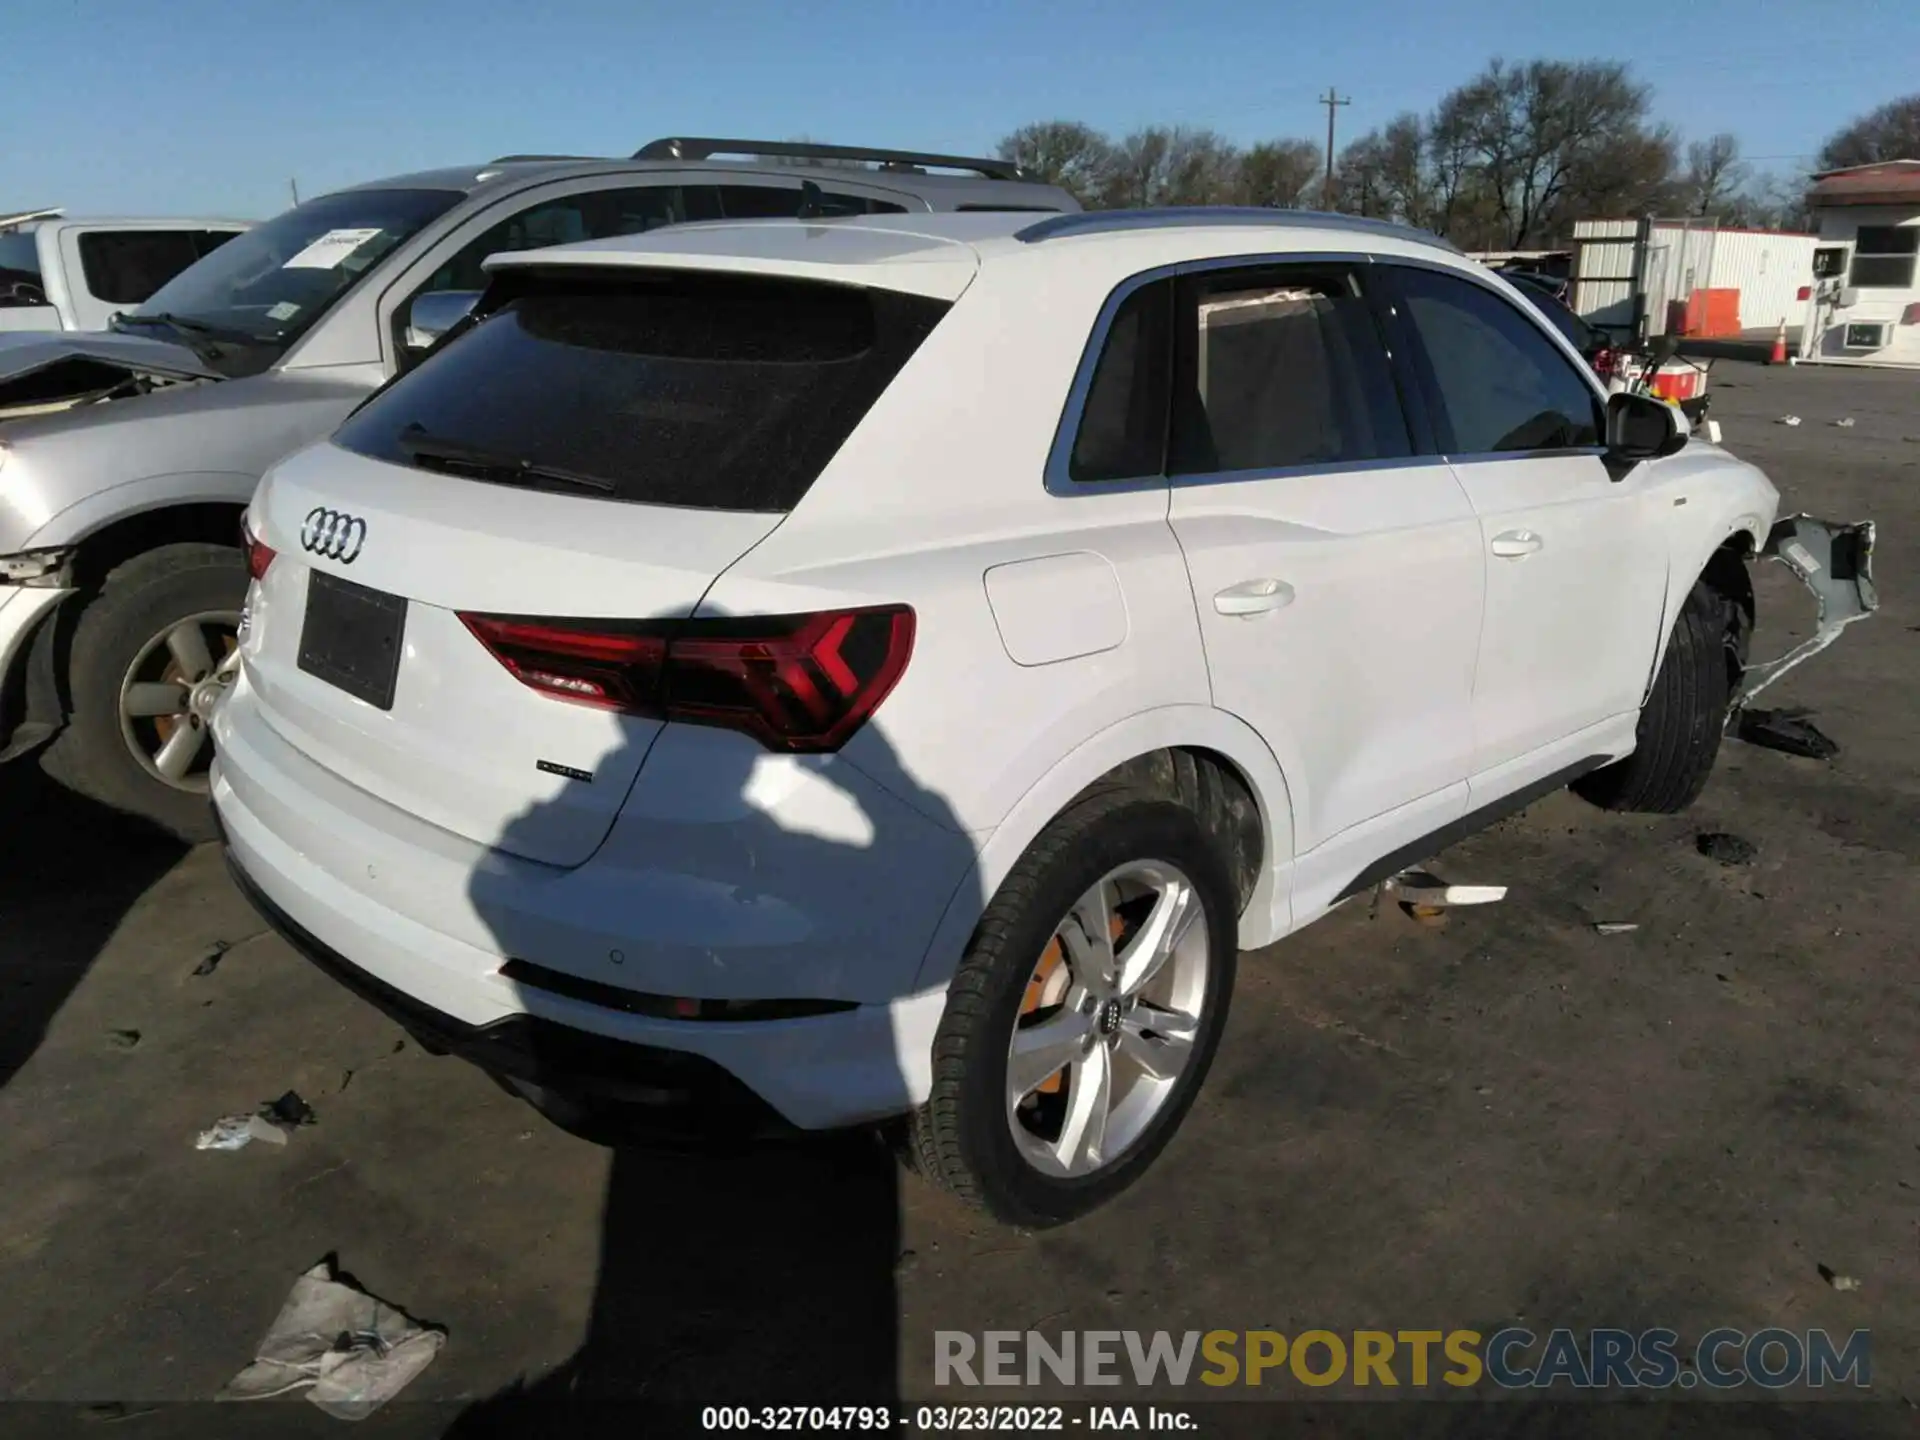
{"points": [[1789, 419], [350, 1352], [1614, 927], [235, 1132]]}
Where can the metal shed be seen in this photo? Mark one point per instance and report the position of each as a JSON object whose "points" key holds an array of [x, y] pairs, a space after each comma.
{"points": [[1689, 275]]}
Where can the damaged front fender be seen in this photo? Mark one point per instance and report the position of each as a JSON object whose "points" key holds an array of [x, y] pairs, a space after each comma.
{"points": [[1835, 562]]}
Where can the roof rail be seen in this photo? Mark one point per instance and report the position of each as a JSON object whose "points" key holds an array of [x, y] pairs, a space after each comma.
{"points": [[1101, 222], [682, 147], [521, 159], [7, 222]]}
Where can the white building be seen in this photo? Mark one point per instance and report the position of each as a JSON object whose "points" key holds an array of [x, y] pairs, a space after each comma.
{"points": [[1862, 295]]}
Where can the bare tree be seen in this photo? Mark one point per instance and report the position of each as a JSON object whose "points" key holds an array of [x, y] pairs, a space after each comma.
{"points": [[1714, 174], [1277, 173], [1202, 167], [1890, 133], [1136, 176], [1063, 152], [1533, 127]]}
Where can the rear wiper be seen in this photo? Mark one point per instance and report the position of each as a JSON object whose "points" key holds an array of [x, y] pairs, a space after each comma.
{"points": [[419, 445]]}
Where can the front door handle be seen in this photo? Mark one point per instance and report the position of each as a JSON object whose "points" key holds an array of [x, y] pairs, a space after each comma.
{"points": [[1254, 597], [1514, 544]]}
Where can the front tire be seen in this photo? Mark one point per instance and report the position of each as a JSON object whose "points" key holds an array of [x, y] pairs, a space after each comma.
{"points": [[1085, 1014], [155, 631], [1678, 736]]}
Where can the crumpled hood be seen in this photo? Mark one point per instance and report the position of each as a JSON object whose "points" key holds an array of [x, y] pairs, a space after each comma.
{"points": [[24, 353]]}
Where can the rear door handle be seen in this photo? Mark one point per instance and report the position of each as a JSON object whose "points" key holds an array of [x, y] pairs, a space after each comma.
{"points": [[1254, 597], [1513, 544]]}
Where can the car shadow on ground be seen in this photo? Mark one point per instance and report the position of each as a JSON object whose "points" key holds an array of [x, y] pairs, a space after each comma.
{"points": [[70, 869], [733, 1271]]}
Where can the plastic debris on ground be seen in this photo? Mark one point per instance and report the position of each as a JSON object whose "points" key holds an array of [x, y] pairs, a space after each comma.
{"points": [[123, 1039], [1788, 731], [1846, 424], [1614, 927], [349, 1352], [1427, 898], [273, 1122], [1727, 849], [1842, 1283], [1789, 419], [236, 1132]]}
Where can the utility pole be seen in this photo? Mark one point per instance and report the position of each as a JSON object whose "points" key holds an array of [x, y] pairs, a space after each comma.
{"points": [[294, 186], [1331, 100]]}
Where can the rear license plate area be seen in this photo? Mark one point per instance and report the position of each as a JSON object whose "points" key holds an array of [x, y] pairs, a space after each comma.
{"points": [[351, 636]]}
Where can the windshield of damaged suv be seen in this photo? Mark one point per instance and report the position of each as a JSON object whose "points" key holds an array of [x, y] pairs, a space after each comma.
{"points": [[720, 392], [268, 285]]}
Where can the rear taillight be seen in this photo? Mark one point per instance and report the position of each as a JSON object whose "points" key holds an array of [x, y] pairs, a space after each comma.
{"points": [[796, 683], [1603, 362], [1805, 292], [259, 553], [1910, 315]]}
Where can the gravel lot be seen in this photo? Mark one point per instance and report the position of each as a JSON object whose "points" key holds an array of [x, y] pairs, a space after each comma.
{"points": [[1506, 1117]]}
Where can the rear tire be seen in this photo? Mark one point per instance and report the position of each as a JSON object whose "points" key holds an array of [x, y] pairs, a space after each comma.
{"points": [[1678, 736], [143, 602], [984, 1144]]}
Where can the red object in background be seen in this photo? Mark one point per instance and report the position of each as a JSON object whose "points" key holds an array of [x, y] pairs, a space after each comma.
{"points": [[1910, 315], [1677, 382], [1705, 313], [1805, 292]]}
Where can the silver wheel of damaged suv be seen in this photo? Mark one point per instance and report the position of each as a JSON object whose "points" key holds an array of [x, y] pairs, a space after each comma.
{"points": [[1109, 1020]]}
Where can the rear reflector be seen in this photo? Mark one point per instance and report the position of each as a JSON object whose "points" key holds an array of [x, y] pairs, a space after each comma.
{"points": [[1805, 292], [664, 1007], [796, 683], [259, 553]]}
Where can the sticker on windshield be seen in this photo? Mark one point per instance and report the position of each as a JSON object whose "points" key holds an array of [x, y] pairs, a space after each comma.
{"points": [[285, 310], [330, 249]]}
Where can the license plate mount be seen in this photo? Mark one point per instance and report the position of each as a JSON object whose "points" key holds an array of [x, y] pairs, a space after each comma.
{"points": [[351, 638]]}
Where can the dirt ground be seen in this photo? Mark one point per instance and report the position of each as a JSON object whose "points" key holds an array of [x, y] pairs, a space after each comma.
{"points": [[1507, 1119]]}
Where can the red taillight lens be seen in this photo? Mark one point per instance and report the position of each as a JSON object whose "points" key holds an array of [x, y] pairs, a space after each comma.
{"points": [[796, 683], [1805, 292], [1910, 315], [259, 553]]}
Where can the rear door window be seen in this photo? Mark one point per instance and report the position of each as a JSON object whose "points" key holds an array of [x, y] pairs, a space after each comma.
{"points": [[1281, 369], [126, 267], [660, 388], [782, 202]]}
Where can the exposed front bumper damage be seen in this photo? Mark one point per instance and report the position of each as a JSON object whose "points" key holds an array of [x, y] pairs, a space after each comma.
{"points": [[1835, 562]]}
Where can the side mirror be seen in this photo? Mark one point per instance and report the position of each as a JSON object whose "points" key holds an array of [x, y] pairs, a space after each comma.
{"points": [[437, 312], [1849, 297], [1641, 427]]}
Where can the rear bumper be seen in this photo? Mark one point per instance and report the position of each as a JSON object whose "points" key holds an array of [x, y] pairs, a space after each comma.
{"points": [[348, 881]]}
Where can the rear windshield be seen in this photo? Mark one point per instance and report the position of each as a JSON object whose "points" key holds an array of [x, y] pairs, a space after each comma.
{"points": [[710, 392]]}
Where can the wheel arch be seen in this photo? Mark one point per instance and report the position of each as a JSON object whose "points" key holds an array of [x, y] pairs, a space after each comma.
{"points": [[1181, 750], [1719, 556]]}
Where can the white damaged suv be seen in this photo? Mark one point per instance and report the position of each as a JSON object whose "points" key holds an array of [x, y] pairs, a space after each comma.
{"points": [[827, 671]]}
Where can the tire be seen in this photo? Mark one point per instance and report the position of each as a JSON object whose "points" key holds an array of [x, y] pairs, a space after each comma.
{"points": [[1678, 737], [964, 1138], [142, 601]]}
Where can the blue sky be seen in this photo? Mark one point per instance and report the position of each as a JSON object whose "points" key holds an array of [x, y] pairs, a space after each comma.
{"points": [[209, 106]]}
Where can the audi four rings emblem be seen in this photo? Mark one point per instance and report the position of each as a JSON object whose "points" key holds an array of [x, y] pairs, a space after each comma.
{"points": [[333, 534]]}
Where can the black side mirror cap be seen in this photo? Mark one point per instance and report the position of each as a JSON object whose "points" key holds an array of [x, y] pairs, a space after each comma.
{"points": [[1642, 427]]}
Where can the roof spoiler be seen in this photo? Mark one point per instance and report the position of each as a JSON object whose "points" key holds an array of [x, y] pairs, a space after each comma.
{"points": [[681, 147]]}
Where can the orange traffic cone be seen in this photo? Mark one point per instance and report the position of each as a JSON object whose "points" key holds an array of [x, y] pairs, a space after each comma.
{"points": [[1779, 355]]}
